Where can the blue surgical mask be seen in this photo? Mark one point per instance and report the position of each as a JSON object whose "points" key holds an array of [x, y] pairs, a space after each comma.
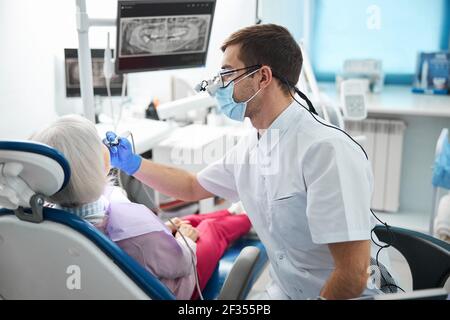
{"points": [[232, 109]]}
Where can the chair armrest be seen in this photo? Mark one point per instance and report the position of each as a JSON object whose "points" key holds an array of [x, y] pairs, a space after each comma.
{"points": [[236, 284]]}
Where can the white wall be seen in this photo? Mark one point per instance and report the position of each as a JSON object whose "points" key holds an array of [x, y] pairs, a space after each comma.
{"points": [[34, 34], [26, 78]]}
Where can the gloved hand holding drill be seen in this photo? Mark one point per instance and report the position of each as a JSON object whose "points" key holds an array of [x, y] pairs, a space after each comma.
{"points": [[121, 153]]}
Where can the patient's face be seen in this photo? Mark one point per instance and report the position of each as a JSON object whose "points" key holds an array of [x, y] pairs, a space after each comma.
{"points": [[106, 159]]}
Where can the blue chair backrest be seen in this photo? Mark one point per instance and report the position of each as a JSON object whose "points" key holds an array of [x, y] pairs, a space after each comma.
{"points": [[143, 279]]}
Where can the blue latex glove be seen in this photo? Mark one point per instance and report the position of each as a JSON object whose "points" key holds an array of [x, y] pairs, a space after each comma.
{"points": [[121, 154]]}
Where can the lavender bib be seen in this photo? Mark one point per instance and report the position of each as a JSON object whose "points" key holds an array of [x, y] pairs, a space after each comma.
{"points": [[127, 220]]}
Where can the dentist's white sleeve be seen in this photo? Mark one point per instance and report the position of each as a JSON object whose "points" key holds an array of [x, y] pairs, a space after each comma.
{"points": [[339, 183], [218, 178]]}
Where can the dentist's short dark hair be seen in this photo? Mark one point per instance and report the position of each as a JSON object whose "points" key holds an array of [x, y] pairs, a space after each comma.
{"points": [[271, 45]]}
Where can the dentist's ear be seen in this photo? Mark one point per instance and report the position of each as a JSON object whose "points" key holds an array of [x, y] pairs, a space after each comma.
{"points": [[266, 76]]}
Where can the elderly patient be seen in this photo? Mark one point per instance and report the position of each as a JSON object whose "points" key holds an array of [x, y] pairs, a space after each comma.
{"points": [[136, 229]]}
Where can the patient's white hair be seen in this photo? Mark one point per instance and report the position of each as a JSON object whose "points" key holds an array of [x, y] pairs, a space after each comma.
{"points": [[77, 138]]}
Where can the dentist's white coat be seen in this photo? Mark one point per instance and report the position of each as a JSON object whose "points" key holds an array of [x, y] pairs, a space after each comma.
{"points": [[303, 186]]}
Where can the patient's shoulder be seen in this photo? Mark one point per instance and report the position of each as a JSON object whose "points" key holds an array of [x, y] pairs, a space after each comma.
{"points": [[115, 194]]}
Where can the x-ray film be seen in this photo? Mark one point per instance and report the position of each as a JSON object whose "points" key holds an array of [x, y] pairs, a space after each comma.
{"points": [[163, 35]]}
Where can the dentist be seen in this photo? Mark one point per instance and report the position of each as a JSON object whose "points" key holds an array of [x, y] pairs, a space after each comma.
{"points": [[306, 187]]}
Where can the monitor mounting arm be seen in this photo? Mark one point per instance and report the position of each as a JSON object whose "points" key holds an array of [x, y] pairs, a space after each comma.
{"points": [[84, 55]]}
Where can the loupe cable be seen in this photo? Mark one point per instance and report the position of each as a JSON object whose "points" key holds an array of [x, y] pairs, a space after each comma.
{"points": [[312, 112]]}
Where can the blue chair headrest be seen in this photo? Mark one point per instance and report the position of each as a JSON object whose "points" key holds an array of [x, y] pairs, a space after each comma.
{"points": [[28, 147]]}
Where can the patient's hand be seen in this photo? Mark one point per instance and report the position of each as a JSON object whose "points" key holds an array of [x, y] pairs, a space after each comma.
{"points": [[188, 231], [177, 222]]}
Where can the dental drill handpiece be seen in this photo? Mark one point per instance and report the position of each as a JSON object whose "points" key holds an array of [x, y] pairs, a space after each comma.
{"points": [[116, 140], [112, 143]]}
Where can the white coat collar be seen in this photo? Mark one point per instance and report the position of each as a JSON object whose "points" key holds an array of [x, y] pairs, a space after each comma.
{"points": [[272, 136]]}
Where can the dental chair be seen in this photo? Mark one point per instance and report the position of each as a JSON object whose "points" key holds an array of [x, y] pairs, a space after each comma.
{"points": [[428, 257], [46, 253]]}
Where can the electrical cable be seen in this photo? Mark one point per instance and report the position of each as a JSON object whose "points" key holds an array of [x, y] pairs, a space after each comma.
{"points": [[313, 113], [122, 99], [111, 108]]}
